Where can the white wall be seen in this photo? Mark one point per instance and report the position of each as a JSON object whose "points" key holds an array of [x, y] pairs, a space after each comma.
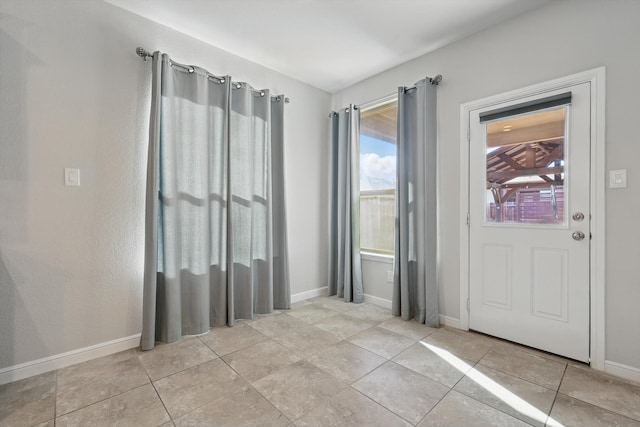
{"points": [[74, 94], [375, 270], [561, 38]]}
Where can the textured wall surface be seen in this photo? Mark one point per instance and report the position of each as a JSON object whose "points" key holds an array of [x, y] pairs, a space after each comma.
{"points": [[74, 94], [561, 38]]}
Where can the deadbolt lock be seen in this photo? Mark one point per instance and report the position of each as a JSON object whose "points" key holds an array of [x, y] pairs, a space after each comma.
{"points": [[578, 216]]}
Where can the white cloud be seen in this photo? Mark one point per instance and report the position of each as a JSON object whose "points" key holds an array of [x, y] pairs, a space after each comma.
{"points": [[377, 172]]}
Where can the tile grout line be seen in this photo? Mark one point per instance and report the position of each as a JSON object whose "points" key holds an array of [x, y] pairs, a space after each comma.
{"points": [[163, 404], [389, 409], [382, 406], [521, 379], [219, 357], [492, 407], [517, 377], [473, 398], [276, 408], [181, 370], [434, 406], [589, 403], [390, 360], [251, 385], [600, 407], [452, 387], [192, 410], [524, 379], [102, 400], [564, 372]]}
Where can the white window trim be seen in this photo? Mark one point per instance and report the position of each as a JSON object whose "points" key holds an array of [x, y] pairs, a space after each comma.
{"points": [[374, 257], [379, 101]]}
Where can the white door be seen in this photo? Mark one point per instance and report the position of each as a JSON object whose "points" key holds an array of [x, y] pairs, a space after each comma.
{"points": [[529, 221]]}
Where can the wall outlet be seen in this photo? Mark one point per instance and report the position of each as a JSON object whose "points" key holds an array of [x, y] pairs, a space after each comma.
{"points": [[389, 276]]}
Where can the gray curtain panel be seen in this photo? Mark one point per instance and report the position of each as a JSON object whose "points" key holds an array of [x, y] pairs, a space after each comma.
{"points": [[415, 288], [345, 266], [281, 286], [212, 207]]}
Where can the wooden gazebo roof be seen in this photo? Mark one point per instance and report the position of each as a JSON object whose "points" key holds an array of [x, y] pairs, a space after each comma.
{"points": [[526, 146], [528, 159]]}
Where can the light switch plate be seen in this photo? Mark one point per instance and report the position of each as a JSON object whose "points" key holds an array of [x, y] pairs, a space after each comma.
{"points": [[72, 177], [618, 178]]}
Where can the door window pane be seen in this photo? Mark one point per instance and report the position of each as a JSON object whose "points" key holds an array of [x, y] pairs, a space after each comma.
{"points": [[378, 177], [526, 168]]}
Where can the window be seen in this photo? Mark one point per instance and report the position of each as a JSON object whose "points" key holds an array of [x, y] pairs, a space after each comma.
{"points": [[378, 176], [525, 168]]}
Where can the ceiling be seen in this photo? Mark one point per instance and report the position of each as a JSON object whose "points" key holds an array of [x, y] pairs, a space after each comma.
{"points": [[329, 44]]}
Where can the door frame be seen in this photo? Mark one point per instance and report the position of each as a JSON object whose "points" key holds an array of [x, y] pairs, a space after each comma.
{"points": [[596, 77]]}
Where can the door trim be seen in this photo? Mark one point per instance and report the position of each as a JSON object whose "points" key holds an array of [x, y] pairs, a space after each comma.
{"points": [[596, 78]]}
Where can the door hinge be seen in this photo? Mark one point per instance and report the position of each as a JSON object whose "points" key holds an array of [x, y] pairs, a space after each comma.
{"points": [[468, 305], [468, 220]]}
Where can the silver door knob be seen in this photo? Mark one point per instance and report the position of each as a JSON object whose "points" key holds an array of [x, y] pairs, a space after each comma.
{"points": [[578, 216], [577, 235]]}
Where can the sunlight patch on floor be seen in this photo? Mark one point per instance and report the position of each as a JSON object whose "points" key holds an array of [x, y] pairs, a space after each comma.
{"points": [[493, 387]]}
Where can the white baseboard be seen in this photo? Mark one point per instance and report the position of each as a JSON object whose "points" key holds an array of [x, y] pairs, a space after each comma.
{"points": [[301, 296], [58, 361], [623, 371], [449, 321], [380, 302]]}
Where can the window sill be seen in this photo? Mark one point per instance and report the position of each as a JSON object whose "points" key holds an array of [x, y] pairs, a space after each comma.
{"points": [[370, 256]]}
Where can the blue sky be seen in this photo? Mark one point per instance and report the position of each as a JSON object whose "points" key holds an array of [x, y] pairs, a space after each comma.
{"points": [[369, 144], [377, 164]]}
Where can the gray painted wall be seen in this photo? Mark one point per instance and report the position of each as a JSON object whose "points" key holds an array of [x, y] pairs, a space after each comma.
{"points": [[561, 38], [74, 94]]}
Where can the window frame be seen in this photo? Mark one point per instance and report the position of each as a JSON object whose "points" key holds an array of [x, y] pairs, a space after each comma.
{"points": [[372, 254]]}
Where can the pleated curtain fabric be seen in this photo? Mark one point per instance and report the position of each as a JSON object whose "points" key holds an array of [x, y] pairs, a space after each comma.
{"points": [[215, 234], [280, 254], [345, 265], [415, 288]]}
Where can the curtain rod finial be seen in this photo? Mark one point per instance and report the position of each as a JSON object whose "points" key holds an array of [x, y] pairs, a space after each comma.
{"points": [[142, 53], [435, 80]]}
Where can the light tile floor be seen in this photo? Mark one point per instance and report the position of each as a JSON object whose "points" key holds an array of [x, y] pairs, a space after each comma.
{"points": [[325, 363]]}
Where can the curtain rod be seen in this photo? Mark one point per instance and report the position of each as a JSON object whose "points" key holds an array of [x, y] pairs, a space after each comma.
{"points": [[433, 80], [144, 54], [346, 110]]}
